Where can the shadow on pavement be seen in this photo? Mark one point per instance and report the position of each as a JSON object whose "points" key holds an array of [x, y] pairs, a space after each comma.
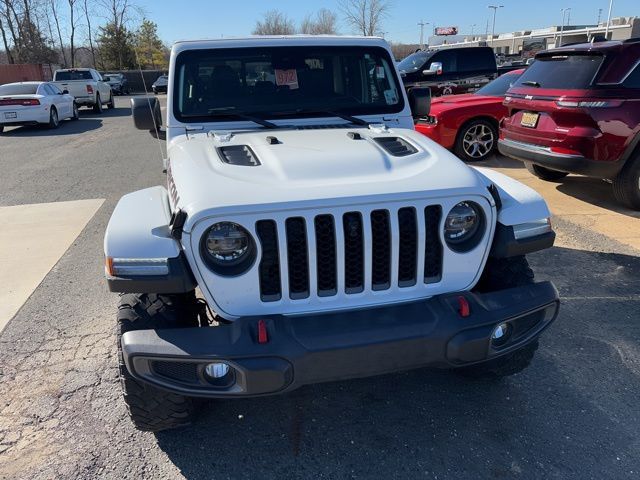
{"points": [[594, 191], [565, 416], [119, 111], [67, 127]]}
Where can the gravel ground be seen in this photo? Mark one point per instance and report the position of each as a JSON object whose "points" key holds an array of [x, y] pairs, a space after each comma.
{"points": [[573, 414]]}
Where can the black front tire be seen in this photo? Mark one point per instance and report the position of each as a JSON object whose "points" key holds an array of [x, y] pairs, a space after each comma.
{"points": [[111, 103], [486, 145], [1, 128], [500, 274], [626, 186], [545, 173], [152, 409], [76, 112]]}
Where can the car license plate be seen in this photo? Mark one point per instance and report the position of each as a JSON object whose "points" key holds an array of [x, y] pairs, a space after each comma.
{"points": [[10, 115], [529, 119]]}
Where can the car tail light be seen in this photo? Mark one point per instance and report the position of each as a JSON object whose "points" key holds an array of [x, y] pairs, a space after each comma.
{"points": [[89, 89], [26, 102], [594, 104], [564, 151]]}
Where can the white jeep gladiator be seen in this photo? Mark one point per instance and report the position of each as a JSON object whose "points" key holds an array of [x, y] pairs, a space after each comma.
{"points": [[325, 238], [87, 87]]}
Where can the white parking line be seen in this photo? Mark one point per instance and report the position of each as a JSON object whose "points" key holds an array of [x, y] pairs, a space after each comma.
{"points": [[32, 240]]}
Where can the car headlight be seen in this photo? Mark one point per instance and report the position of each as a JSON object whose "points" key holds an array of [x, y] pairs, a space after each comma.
{"points": [[228, 248], [464, 226]]}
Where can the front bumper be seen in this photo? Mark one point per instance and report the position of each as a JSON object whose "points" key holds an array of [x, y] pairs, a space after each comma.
{"points": [[318, 348], [543, 156]]}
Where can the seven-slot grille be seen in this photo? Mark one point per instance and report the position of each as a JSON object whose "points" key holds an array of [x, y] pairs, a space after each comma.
{"points": [[335, 245]]}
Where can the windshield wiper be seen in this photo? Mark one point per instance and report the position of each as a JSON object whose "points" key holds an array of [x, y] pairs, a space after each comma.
{"points": [[242, 116], [531, 83], [344, 116]]}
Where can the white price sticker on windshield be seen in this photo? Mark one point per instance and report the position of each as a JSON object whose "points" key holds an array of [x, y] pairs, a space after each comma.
{"points": [[287, 77], [390, 97]]}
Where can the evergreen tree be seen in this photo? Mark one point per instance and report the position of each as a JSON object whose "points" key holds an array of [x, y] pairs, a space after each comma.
{"points": [[152, 54], [116, 47]]}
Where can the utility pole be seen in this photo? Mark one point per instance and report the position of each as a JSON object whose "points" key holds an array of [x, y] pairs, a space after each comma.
{"points": [[564, 11], [606, 31], [493, 29], [422, 24], [599, 15], [472, 27]]}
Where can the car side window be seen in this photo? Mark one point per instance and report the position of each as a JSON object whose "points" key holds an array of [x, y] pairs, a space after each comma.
{"points": [[472, 60], [54, 89], [633, 80], [448, 58]]}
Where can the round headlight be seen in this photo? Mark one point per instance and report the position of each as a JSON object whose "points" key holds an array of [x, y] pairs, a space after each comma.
{"points": [[463, 227], [228, 248]]}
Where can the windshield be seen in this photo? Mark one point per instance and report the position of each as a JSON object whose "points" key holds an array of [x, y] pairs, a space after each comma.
{"points": [[18, 89], [414, 61], [74, 75], [285, 81], [561, 71], [499, 86]]}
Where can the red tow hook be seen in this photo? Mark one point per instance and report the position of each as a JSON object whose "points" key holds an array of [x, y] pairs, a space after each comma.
{"points": [[263, 336], [463, 307]]}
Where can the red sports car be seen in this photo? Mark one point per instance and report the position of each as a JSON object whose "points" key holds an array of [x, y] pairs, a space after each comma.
{"points": [[468, 123]]}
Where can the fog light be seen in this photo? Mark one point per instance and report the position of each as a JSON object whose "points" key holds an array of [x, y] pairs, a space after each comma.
{"points": [[501, 334], [216, 370]]}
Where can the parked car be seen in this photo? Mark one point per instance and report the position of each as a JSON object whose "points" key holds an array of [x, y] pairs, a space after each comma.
{"points": [[35, 103], [468, 123], [328, 238], [161, 84], [87, 87], [575, 110], [118, 83], [449, 71]]}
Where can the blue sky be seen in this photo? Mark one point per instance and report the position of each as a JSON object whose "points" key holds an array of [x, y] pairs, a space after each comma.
{"points": [[214, 18]]}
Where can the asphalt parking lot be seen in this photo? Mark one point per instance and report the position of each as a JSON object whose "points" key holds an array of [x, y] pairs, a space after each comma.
{"points": [[573, 414]]}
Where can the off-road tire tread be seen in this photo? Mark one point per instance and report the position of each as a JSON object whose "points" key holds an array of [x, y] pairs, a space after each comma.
{"points": [[543, 173], [625, 186], [500, 274], [152, 409]]}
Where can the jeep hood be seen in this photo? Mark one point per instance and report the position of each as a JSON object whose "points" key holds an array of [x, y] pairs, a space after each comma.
{"points": [[310, 167]]}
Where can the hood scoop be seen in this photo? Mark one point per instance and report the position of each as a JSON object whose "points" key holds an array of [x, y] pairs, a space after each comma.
{"points": [[240, 155], [396, 146]]}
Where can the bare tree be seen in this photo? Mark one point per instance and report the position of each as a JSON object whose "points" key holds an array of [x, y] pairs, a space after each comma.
{"points": [[274, 23], [324, 23], [56, 19], [90, 33], [365, 16], [72, 27]]}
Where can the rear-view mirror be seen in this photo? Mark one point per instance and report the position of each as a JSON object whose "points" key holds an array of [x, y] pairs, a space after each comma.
{"points": [[420, 101], [434, 69], [147, 116]]}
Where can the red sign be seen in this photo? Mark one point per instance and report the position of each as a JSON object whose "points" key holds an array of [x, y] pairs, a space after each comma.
{"points": [[446, 30]]}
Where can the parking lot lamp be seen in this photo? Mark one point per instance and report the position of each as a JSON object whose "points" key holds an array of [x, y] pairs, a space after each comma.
{"points": [[493, 28]]}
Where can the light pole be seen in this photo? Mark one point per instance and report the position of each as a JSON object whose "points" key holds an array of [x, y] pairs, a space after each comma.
{"points": [[606, 30], [493, 28], [422, 24], [472, 27], [564, 11]]}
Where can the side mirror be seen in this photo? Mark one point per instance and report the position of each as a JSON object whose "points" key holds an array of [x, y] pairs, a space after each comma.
{"points": [[65, 92], [420, 101], [147, 116], [434, 69]]}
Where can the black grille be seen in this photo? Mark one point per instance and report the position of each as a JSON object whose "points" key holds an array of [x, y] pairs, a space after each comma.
{"points": [[326, 255], [396, 146], [408, 249], [269, 270], [433, 247], [181, 371], [380, 250], [297, 258], [238, 155], [353, 252]]}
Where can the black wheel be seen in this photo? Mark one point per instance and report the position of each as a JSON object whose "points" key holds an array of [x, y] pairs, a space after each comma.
{"points": [[150, 408], [1, 128], [545, 173], [111, 103], [626, 186], [97, 107], [500, 274], [476, 140], [76, 112], [54, 121]]}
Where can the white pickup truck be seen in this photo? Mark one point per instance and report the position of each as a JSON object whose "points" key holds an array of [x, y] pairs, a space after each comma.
{"points": [[86, 85]]}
